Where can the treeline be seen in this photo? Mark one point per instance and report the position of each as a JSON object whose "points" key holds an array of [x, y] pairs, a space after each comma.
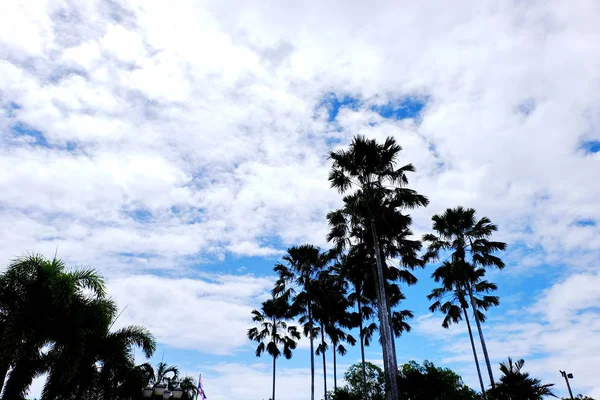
{"points": [[58, 322], [357, 284]]}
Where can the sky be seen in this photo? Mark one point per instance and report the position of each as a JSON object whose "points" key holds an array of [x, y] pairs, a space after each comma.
{"points": [[180, 147]]}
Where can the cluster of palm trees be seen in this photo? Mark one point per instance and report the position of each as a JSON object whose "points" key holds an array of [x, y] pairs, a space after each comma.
{"points": [[58, 322], [357, 283]]}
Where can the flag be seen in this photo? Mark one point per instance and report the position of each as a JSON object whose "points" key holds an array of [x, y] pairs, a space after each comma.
{"points": [[200, 388]]}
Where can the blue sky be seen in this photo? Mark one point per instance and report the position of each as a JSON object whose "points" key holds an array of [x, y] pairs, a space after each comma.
{"points": [[180, 148]]}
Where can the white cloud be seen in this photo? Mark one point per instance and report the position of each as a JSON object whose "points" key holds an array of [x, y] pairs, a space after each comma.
{"points": [[211, 316], [206, 119]]}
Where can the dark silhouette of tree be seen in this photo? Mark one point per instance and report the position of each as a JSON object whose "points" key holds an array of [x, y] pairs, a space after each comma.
{"points": [[273, 332], [331, 312], [518, 385], [58, 321], [451, 300], [371, 216], [428, 382], [295, 284], [471, 251]]}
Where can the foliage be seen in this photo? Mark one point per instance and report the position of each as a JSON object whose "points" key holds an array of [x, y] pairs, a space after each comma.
{"points": [[375, 381], [296, 285], [579, 397], [70, 339], [428, 382], [461, 275], [272, 330], [375, 194], [344, 394], [518, 385]]}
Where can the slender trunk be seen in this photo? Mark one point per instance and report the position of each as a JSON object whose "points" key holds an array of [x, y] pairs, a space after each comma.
{"points": [[362, 348], [324, 363], [474, 352], [274, 360], [483, 346], [384, 322], [384, 349], [334, 369], [3, 371], [312, 347], [393, 335]]}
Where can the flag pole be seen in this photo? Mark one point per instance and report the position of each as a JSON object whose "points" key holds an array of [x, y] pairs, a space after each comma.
{"points": [[198, 391]]}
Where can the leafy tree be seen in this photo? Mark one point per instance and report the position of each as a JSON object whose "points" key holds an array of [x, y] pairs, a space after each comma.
{"points": [[468, 239], [428, 382], [295, 283], [518, 385], [344, 393], [370, 169], [375, 382], [273, 331]]}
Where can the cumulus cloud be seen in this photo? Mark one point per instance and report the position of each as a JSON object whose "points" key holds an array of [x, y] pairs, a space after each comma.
{"points": [[211, 316], [142, 136]]}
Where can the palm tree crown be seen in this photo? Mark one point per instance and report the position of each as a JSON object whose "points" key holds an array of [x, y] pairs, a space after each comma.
{"points": [[518, 385]]}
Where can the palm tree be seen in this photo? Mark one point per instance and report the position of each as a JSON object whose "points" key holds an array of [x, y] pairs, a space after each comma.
{"points": [[69, 338], [370, 168], [273, 331], [451, 300], [189, 387], [330, 311], [295, 283], [162, 372], [518, 385], [467, 238], [357, 266], [35, 286]]}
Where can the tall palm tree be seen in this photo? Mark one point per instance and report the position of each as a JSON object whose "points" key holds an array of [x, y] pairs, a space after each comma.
{"points": [[451, 300], [273, 331], [468, 240], [518, 385], [370, 168], [331, 305], [35, 286], [296, 279]]}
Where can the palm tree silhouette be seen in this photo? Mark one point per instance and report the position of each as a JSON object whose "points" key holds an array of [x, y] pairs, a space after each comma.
{"points": [[459, 232], [370, 169], [450, 299], [518, 385], [273, 331], [295, 284]]}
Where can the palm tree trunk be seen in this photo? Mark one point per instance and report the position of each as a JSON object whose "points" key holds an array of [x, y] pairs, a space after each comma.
{"points": [[334, 369], [274, 361], [3, 372], [483, 346], [312, 346], [393, 336], [384, 322], [474, 352], [324, 363], [362, 348]]}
